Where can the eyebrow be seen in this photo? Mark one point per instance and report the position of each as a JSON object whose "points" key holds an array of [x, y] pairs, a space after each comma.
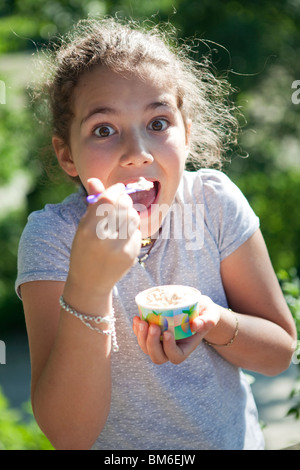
{"points": [[158, 104], [98, 110], [108, 110]]}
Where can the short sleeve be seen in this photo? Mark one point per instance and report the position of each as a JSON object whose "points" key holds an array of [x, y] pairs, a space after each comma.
{"points": [[45, 244], [229, 214]]}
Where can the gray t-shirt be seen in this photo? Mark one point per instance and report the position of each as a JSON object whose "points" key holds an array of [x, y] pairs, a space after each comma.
{"points": [[205, 402]]}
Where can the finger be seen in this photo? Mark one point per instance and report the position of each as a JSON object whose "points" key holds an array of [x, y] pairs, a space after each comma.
{"points": [[94, 186], [141, 328], [154, 345], [135, 325], [203, 324], [209, 315], [171, 349], [128, 222], [113, 208], [134, 222], [178, 351], [114, 194], [97, 192]]}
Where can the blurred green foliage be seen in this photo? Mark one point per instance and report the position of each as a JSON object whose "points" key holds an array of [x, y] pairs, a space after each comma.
{"points": [[19, 430], [258, 51], [255, 43], [14, 127], [275, 196], [290, 284]]}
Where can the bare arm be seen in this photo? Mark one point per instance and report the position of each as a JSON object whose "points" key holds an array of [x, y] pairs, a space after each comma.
{"points": [[70, 387], [267, 331], [266, 328], [71, 379]]}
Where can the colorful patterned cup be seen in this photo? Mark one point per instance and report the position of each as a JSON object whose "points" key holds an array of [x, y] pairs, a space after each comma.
{"points": [[172, 307]]}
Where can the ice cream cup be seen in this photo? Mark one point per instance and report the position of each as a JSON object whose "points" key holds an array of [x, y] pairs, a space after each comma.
{"points": [[171, 307]]}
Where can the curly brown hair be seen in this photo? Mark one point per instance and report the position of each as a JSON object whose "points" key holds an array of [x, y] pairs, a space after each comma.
{"points": [[128, 47]]}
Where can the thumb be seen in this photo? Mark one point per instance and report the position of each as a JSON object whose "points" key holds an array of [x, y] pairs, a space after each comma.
{"points": [[94, 186]]}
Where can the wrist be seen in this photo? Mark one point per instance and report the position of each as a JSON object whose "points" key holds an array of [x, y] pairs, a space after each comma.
{"points": [[226, 330], [87, 300], [95, 322]]}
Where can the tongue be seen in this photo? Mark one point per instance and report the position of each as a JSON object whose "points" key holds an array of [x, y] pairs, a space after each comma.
{"points": [[143, 198]]}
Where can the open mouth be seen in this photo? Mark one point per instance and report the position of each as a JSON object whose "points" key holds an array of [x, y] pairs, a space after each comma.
{"points": [[142, 200]]}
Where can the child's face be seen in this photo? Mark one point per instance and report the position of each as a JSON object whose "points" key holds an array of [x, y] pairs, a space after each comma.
{"points": [[124, 128]]}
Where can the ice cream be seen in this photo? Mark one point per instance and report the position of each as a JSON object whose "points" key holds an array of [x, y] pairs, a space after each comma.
{"points": [[170, 296], [142, 184], [172, 307]]}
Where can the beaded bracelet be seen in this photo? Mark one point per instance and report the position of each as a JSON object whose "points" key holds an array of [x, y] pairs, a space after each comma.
{"points": [[86, 319], [234, 334]]}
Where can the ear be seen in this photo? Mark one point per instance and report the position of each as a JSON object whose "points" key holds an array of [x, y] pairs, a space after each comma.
{"points": [[64, 156]]}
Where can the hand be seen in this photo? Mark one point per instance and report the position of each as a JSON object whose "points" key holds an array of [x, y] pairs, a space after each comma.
{"points": [[107, 241], [168, 349]]}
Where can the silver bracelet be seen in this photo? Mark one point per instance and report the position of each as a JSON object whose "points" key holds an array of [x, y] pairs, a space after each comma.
{"points": [[86, 319]]}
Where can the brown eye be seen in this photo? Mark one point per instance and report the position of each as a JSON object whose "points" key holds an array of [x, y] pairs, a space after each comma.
{"points": [[104, 131], [158, 125]]}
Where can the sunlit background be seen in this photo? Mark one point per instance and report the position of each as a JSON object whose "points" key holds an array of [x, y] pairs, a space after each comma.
{"points": [[256, 45]]}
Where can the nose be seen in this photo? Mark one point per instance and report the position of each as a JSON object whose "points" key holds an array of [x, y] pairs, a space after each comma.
{"points": [[135, 151]]}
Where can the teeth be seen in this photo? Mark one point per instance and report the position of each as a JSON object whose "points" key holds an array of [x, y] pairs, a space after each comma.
{"points": [[142, 184]]}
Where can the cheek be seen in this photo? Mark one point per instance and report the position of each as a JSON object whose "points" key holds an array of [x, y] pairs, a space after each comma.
{"points": [[178, 146], [177, 159], [91, 163]]}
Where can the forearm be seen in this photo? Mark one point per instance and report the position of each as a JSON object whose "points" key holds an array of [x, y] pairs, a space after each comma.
{"points": [[71, 385], [260, 345], [71, 397]]}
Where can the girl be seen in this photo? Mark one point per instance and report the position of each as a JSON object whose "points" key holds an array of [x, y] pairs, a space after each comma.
{"points": [[124, 105]]}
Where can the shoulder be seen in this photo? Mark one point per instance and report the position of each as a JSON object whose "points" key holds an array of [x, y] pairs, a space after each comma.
{"points": [[54, 226], [227, 214], [208, 185], [54, 217], [70, 210], [45, 244]]}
